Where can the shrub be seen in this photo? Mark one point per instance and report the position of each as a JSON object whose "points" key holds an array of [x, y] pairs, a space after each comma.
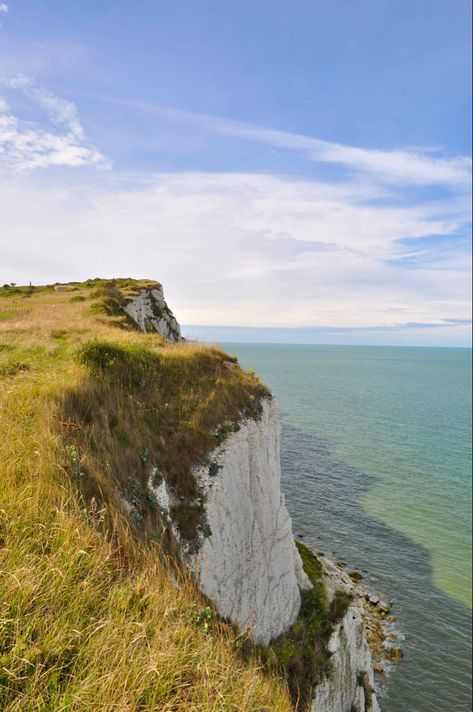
{"points": [[187, 517], [130, 364], [77, 298], [109, 306], [339, 605]]}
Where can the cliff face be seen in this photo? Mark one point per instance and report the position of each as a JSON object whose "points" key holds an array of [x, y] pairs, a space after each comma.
{"points": [[247, 563], [151, 313], [350, 683], [244, 557], [249, 566]]}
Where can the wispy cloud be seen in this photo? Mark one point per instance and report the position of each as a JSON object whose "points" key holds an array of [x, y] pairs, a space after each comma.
{"points": [[25, 145], [4, 9], [414, 166], [60, 110]]}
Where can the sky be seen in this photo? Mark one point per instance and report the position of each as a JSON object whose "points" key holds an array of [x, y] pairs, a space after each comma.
{"points": [[289, 171]]}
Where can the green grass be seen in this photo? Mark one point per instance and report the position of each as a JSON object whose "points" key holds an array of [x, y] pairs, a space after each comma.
{"points": [[90, 618], [312, 566], [77, 298], [302, 651]]}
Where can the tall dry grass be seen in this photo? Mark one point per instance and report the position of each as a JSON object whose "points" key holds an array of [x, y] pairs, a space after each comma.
{"points": [[90, 618]]}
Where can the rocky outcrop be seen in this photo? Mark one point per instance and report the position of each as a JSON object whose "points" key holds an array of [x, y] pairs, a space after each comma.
{"points": [[151, 313], [360, 643], [350, 684]]}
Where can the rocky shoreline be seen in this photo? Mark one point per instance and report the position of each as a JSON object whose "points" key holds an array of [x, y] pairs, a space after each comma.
{"points": [[383, 635]]}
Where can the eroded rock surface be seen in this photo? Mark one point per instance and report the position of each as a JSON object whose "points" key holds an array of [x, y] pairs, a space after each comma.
{"points": [[150, 311], [360, 644], [249, 566], [350, 685]]}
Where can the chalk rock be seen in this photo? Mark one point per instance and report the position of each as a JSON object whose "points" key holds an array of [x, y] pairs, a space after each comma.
{"points": [[250, 567], [350, 684], [151, 313]]}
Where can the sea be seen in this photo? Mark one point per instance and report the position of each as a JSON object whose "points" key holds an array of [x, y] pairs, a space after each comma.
{"points": [[376, 472]]}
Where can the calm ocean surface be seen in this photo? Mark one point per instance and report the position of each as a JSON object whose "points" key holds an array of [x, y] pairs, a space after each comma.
{"points": [[376, 462]]}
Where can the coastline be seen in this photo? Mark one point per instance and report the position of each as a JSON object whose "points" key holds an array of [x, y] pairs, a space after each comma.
{"points": [[364, 643]]}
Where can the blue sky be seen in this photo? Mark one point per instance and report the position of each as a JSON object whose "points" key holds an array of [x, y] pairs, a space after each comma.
{"points": [[275, 165]]}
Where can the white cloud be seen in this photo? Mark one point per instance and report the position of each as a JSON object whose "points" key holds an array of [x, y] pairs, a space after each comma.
{"points": [[241, 249], [25, 145], [406, 166], [238, 248], [4, 8]]}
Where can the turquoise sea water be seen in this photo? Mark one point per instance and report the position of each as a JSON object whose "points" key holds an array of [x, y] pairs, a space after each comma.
{"points": [[376, 468]]}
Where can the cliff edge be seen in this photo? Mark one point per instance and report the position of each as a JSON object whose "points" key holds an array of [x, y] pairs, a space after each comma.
{"points": [[120, 446], [245, 559]]}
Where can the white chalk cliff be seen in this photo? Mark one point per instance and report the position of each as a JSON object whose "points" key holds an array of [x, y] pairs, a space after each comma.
{"points": [[246, 560], [151, 313], [249, 566]]}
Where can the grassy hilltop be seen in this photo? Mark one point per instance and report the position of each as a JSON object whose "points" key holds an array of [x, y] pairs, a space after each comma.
{"points": [[89, 617]]}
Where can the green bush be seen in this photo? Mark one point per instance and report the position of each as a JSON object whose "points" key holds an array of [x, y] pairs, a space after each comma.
{"points": [[132, 364], [77, 298], [339, 605], [187, 517]]}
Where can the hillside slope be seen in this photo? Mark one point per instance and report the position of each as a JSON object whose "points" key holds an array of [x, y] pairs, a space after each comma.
{"points": [[90, 616]]}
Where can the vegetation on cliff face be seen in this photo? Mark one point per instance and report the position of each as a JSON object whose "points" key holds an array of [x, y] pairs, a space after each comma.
{"points": [[145, 412], [89, 617], [301, 653]]}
